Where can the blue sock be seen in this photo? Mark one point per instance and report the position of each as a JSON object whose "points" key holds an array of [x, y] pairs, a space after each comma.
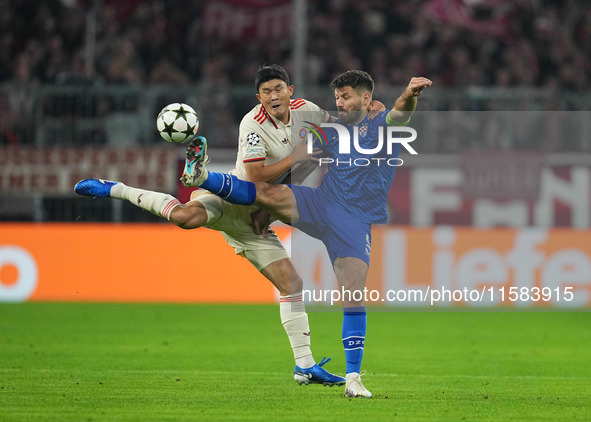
{"points": [[354, 326], [230, 188]]}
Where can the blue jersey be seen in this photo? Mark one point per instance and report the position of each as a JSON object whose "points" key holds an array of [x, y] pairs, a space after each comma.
{"points": [[360, 182]]}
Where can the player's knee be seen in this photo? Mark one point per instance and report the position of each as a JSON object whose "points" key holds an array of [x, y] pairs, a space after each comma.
{"points": [[264, 191], [268, 194]]}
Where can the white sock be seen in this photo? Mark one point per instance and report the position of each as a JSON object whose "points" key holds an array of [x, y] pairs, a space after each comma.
{"points": [[295, 322], [160, 204]]}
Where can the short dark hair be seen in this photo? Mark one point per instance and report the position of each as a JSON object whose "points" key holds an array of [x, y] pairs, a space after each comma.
{"points": [[354, 79], [268, 73]]}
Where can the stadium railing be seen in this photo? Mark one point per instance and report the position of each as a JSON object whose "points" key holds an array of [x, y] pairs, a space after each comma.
{"points": [[114, 115]]}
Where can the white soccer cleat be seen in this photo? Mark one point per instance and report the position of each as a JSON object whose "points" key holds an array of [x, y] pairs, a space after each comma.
{"points": [[354, 386]]}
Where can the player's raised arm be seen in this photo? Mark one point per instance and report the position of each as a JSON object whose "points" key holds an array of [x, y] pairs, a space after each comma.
{"points": [[406, 104]]}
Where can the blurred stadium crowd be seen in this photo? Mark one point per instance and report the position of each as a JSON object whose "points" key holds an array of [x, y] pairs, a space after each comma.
{"points": [[92, 59], [530, 43]]}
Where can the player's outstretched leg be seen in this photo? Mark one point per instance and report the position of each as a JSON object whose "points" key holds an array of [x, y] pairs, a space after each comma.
{"points": [[317, 375], [226, 186], [160, 204]]}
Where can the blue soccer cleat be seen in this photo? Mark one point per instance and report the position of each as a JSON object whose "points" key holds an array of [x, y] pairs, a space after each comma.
{"points": [[317, 375], [94, 187], [195, 172]]}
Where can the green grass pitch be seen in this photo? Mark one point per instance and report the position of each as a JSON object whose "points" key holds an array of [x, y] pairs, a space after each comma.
{"points": [[95, 362]]}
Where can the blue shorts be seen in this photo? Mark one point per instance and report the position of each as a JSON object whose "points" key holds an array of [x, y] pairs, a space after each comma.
{"points": [[322, 218]]}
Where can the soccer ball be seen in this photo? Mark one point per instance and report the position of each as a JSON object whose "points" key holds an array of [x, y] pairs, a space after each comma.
{"points": [[177, 123]]}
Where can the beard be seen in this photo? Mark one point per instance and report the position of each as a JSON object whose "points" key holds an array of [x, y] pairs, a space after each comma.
{"points": [[352, 116]]}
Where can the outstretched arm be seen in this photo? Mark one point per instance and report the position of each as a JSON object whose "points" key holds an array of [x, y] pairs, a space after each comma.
{"points": [[406, 104]]}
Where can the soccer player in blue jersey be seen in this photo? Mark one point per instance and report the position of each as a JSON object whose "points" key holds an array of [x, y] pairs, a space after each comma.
{"points": [[342, 209]]}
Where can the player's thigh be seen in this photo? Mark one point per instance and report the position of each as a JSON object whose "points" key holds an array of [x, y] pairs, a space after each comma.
{"points": [[346, 236], [351, 272], [191, 215], [236, 227], [278, 200], [207, 209], [234, 222]]}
